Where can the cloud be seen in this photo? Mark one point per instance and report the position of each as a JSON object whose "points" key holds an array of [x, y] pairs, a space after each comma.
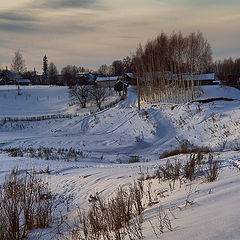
{"points": [[15, 27], [55, 4], [41, 22], [204, 3], [16, 16], [98, 31]]}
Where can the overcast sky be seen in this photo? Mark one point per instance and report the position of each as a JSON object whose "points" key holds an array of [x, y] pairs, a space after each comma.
{"points": [[93, 32]]}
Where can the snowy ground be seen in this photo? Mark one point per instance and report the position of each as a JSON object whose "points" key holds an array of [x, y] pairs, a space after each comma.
{"points": [[33, 101], [40, 100], [112, 136]]}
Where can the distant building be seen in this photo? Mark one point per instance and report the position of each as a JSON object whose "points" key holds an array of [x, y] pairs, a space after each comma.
{"points": [[8, 77], [24, 82], [87, 77], [120, 86], [202, 79], [107, 81], [130, 78], [197, 79]]}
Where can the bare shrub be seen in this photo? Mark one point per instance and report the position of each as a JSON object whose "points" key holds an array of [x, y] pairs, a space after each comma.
{"points": [[25, 204], [136, 190], [189, 200], [116, 218], [169, 172], [190, 168], [46, 153], [236, 147], [213, 169], [134, 159], [164, 222], [176, 171], [193, 166]]}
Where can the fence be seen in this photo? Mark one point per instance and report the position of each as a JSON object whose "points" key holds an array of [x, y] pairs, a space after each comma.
{"points": [[55, 116]]}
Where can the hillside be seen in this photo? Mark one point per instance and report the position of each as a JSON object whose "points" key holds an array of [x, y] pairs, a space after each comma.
{"points": [[108, 141]]}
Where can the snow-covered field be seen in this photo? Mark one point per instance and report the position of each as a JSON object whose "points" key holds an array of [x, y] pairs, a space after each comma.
{"points": [[33, 101], [109, 139], [39, 101]]}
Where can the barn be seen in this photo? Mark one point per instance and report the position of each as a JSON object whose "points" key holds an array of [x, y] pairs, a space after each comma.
{"points": [[120, 86], [202, 79], [107, 81]]}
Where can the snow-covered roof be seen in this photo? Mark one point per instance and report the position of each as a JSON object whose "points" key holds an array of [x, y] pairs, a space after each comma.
{"points": [[23, 81], [122, 82], [208, 76], [82, 73], [101, 79], [11, 75], [186, 76], [131, 75]]}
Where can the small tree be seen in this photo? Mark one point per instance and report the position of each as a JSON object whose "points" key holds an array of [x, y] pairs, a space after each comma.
{"points": [[18, 63], [45, 65], [80, 94], [98, 95]]}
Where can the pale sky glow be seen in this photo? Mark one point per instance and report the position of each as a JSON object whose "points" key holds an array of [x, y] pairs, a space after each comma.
{"points": [[93, 32]]}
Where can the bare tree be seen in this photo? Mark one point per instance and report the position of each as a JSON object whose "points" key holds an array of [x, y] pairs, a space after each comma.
{"points": [[80, 94], [228, 70], [69, 73], [18, 63], [161, 64], [117, 67], [127, 64], [104, 69], [98, 95], [52, 73]]}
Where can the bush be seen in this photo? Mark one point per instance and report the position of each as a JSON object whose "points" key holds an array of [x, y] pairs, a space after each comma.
{"points": [[116, 218], [46, 153], [25, 204], [213, 169]]}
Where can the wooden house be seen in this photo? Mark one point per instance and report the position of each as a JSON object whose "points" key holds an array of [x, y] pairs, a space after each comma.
{"points": [[107, 81]]}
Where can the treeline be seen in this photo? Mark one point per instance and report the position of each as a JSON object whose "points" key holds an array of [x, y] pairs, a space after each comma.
{"points": [[118, 67], [228, 69], [161, 66]]}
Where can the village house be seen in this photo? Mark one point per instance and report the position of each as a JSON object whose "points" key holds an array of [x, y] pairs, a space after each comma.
{"points": [[8, 77], [130, 78], [195, 78], [107, 81]]}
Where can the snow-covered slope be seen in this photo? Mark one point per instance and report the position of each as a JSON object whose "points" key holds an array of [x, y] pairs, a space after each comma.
{"points": [[216, 91], [110, 138]]}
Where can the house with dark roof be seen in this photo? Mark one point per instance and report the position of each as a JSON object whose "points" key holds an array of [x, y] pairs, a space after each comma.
{"points": [[130, 78], [120, 86], [8, 77]]}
